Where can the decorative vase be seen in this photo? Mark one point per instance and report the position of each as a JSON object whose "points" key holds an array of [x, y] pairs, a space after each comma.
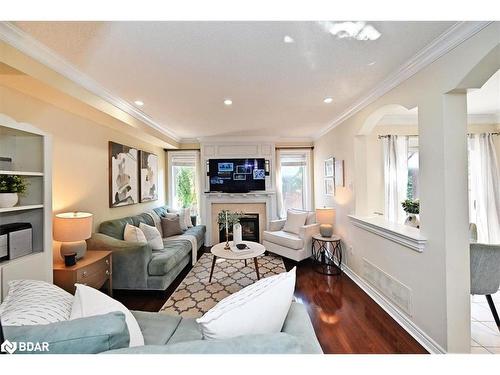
{"points": [[237, 236], [412, 221], [8, 200]]}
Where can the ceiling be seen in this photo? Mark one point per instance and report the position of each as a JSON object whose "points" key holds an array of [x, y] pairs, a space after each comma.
{"points": [[183, 71]]}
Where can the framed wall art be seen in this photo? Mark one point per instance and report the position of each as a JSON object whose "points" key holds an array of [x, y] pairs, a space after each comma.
{"points": [[123, 175], [148, 176]]}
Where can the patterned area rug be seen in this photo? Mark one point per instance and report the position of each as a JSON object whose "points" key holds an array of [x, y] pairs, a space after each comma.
{"points": [[195, 295]]}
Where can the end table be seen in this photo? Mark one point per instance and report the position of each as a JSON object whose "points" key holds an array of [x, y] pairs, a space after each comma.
{"points": [[327, 254]]}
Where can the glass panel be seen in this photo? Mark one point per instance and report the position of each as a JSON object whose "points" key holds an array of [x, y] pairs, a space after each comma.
{"points": [[293, 186], [184, 190], [413, 186]]}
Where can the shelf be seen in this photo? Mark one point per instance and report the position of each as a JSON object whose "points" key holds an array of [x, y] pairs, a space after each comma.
{"points": [[402, 234], [21, 173], [21, 208]]}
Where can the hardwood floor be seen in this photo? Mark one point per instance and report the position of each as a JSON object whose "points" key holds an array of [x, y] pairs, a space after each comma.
{"points": [[345, 319]]}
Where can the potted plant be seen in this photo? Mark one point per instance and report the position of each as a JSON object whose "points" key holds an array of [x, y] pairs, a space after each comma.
{"points": [[11, 187], [227, 219], [412, 209]]}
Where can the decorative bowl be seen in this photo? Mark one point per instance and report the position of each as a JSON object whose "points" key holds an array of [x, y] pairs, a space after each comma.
{"points": [[241, 246]]}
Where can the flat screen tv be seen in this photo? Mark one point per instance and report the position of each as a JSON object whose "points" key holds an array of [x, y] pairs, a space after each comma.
{"points": [[237, 175]]}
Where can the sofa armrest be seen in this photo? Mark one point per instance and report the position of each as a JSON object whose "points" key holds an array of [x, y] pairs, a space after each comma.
{"points": [[130, 260], [306, 232], [276, 225]]}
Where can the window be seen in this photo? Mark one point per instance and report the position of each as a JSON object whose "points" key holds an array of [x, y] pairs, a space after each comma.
{"points": [[413, 187], [183, 180], [295, 179]]}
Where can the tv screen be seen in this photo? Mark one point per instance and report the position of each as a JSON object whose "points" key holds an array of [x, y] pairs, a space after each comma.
{"points": [[237, 175]]}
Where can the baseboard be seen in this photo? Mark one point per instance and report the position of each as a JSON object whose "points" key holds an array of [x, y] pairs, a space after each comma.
{"points": [[423, 339]]}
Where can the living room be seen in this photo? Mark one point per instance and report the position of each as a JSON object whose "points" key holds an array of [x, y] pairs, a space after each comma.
{"points": [[325, 190]]}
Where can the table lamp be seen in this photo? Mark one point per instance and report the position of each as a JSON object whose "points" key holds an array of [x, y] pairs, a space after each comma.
{"points": [[326, 217], [72, 229]]}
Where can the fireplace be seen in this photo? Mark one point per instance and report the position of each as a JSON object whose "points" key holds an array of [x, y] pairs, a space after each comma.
{"points": [[249, 229]]}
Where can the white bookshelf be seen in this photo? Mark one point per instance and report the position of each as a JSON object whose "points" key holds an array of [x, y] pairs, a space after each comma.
{"points": [[29, 150]]}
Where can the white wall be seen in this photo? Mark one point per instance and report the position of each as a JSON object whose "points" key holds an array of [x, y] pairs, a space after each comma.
{"points": [[438, 277]]}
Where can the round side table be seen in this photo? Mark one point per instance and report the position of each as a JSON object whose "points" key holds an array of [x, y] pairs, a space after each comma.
{"points": [[327, 254]]}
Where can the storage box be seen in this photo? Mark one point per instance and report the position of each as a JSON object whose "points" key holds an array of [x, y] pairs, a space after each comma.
{"points": [[19, 239]]}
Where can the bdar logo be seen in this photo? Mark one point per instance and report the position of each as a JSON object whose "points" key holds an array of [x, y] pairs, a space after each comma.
{"points": [[8, 347]]}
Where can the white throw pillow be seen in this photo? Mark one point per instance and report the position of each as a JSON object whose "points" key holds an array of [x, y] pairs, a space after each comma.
{"points": [[91, 302], [189, 223], [32, 302], [294, 220], [257, 309], [153, 236], [133, 234], [182, 219]]}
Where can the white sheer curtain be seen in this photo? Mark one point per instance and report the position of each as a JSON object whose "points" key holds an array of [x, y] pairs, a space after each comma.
{"points": [[395, 149], [484, 190], [279, 186]]}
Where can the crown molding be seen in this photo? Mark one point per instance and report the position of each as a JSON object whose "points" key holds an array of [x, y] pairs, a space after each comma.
{"points": [[455, 35], [44, 55]]}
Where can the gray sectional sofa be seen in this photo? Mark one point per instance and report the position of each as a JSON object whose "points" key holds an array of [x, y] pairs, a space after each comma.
{"points": [[165, 334], [136, 265]]}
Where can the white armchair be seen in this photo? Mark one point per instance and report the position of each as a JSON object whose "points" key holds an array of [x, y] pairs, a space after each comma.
{"points": [[290, 245]]}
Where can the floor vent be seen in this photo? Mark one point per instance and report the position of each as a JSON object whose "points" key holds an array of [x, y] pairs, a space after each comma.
{"points": [[392, 289]]}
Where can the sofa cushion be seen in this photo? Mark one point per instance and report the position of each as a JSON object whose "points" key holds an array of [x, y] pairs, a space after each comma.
{"points": [[156, 328], [134, 234], [276, 343], [165, 260], [199, 232], [285, 239], [171, 226], [188, 330], [89, 335]]}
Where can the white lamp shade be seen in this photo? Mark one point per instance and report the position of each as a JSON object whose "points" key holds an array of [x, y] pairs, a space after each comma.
{"points": [[325, 215], [72, 226]]}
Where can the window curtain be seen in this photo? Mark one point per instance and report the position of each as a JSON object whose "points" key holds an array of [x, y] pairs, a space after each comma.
{"points": [[279, 186], [484, 190], [395, 150]]}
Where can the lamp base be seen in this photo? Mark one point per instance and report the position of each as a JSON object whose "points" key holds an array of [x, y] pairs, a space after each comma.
{"points": [[78, 247], [326, 230]]}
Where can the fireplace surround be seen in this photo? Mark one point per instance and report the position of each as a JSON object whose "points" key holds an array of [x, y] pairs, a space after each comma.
{"points": [[249, 229]]}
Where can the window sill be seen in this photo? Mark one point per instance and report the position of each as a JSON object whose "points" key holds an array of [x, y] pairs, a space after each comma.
{"points": [[402, 234]]}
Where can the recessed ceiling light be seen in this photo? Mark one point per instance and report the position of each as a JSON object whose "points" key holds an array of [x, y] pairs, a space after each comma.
{"points": [[228, 102], [372, 63], [288, 39], [328, 100], [139, 103]]}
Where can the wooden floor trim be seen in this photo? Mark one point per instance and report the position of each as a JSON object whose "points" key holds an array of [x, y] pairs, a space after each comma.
{"points": [[418, 334]]}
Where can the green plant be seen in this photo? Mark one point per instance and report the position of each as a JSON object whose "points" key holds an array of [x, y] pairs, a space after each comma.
{"points": [[13, 184], [185, 187], [411, 206], [232, 218]]}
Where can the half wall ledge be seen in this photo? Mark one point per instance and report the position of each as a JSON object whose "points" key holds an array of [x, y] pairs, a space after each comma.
{"points": [[402, 234]]}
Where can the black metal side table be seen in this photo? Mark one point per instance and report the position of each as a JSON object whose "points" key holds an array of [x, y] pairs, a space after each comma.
{"points": [[327, 254]]}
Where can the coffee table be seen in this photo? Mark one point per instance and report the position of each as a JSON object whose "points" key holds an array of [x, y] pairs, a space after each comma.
{"points": [[255, 250]]}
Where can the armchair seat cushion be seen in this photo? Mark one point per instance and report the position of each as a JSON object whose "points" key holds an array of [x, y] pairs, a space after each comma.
{"points": [[163, 261], [286, 239]]}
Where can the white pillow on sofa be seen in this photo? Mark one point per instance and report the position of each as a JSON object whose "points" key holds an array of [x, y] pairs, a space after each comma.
{"points": [[91, 302], [33, 302], [133, 234], [257, 309], [153, 236], [294, 220]]}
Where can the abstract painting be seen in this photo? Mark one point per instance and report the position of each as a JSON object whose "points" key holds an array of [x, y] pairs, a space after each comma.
{"points": [[123, 175], [149, 177]]}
